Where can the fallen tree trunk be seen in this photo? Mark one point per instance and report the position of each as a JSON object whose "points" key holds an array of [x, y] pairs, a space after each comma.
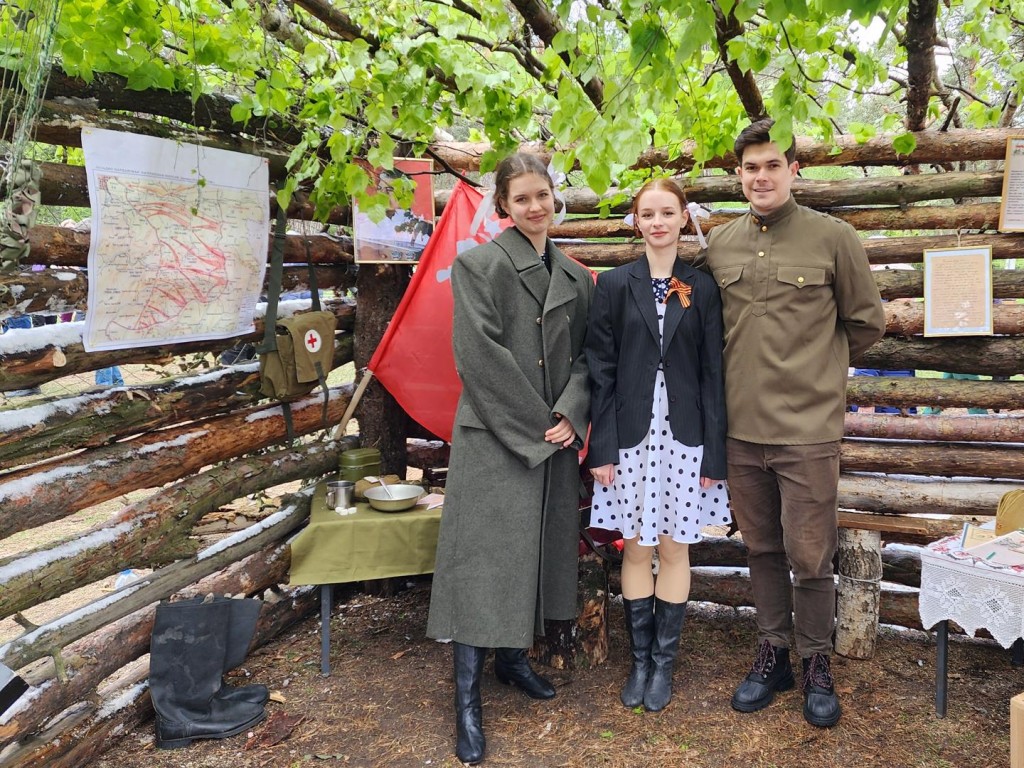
{"points": [[39, 360], [152, 532], [902, 529], [933, 459], [56, 291], [47, 492], [973, 216], [814, 193], [984, 429], [891, 495], [717, 586], [907, 391], [931, 147], [991, 356], [906, 318], [63, 246]]}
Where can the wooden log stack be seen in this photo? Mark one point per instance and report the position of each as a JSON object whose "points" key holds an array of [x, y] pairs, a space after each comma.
{"points": [[206, 438]]}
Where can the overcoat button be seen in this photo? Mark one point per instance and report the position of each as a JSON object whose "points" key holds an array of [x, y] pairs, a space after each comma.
{"points": [[764, 228], [538, 321], [799, 279], [760, 253], [540, 363]]}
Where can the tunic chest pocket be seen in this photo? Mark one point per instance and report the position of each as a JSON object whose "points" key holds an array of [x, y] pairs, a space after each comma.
{"points": [[726, 276], [802, 277]]}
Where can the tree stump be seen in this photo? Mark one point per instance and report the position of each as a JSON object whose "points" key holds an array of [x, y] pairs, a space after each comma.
{"points": [[584, 642], [860, 575]]}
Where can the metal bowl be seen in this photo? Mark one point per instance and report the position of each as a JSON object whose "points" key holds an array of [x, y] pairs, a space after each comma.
{"points": [[402, 497]]}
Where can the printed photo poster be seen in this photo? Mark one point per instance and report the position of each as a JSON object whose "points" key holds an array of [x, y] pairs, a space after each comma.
{"points": [[1011, 208], [403, 233], [958, 292], [178, 247]]}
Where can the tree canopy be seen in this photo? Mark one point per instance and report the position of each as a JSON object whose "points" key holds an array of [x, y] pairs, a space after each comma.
{"points": [[600, 82]]}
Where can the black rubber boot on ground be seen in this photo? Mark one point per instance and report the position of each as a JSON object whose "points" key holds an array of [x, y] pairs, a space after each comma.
{"points": [[668, 623], [241, 626], [821, 705], [469, 719], [511, 667], [187, 653], [770, 673], [640, 629]]}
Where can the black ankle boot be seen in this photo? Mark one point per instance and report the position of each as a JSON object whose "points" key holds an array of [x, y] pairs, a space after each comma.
{"points": [[511, 667], [668, 623], [469, 719], [821, 705], [770, 672], [640, 628]]}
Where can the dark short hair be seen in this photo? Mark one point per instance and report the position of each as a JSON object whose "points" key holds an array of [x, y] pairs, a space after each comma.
{"points": [[513, 167], [668, 185], [758, 133]]}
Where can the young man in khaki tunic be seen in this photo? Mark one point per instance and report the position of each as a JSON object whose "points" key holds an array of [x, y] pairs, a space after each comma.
{"points": [[799, 302]]}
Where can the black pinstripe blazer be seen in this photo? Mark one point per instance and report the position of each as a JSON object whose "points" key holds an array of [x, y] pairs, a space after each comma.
{"points": [[624, 354]]}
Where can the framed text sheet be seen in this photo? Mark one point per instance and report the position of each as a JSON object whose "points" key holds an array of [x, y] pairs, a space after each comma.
{"points": [[1011, 209], [958, 292]]}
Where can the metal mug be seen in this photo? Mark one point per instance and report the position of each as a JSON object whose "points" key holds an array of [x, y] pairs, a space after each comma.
{"points": [[340, 494]]}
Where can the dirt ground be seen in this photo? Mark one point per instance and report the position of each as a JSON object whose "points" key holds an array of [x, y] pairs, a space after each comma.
{"points": [[388, 702]]}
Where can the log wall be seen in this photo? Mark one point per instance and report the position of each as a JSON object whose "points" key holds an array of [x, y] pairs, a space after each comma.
{"points": [[205, 437]]}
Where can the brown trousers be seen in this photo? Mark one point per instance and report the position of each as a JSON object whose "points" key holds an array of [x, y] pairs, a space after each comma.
{"points": [[784, 500]]}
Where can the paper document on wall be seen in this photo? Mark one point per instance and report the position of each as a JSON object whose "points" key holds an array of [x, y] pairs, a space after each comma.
{"points": [[178, 248]]}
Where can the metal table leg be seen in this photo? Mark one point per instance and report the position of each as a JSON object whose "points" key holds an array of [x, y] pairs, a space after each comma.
{"points": [[941, 659], [325, 629]]}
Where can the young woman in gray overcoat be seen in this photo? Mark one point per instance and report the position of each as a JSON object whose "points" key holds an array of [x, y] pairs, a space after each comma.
{"points": [[507, 550]]}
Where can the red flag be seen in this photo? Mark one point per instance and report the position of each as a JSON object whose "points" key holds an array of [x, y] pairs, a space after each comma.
{"points": [[414, 360]]}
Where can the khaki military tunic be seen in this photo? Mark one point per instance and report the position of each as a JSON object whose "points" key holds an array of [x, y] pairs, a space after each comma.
{"points": [[799, 302]]}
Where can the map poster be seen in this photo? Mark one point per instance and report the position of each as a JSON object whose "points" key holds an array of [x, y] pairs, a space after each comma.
{"points": [[958, 292], [1011, 208], [402, 234], [178, 249]]}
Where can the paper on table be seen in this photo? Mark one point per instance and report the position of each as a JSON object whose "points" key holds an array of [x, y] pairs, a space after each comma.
{"points": [[431, 501], [1006, 550]]}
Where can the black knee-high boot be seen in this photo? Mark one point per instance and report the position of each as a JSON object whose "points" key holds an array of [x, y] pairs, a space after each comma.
{"points": [[469, 721], [186, 661], [668, 623], [640, 628]]}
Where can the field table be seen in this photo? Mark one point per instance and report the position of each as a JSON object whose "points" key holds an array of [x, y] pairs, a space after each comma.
{"points": [[956, 586], [338, 549]]}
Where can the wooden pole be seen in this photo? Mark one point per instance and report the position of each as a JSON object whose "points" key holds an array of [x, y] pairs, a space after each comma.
{"points": [[860, 574]]}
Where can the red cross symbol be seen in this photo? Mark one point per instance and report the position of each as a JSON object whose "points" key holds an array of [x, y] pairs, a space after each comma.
{"points": [[313, 341]]}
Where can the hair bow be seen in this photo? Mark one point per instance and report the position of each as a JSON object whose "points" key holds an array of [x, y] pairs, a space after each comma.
{"points": [[680, 289], [696, 213]]}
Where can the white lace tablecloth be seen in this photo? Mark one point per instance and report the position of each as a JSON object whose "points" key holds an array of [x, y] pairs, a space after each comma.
{"points": [[964, 589]]}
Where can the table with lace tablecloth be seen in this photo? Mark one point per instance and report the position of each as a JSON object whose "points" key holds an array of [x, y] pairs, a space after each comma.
{"points": [[956, 586]]}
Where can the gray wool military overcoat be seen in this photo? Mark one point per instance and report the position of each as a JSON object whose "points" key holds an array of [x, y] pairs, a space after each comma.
{"points": [[508, 546]]}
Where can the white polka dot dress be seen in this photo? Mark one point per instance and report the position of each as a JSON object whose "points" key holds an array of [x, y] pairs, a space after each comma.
{"points": [[656, 491]]}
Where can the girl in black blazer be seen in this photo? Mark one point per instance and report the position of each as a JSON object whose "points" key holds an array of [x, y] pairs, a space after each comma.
{"points": [[657, 443]]}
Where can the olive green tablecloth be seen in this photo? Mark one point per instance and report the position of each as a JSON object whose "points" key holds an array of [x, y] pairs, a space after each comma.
{"points": [[335, 549]]}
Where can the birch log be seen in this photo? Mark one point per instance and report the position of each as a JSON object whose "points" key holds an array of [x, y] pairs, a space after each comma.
{"points": [[47, 492], [860, 573]]}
